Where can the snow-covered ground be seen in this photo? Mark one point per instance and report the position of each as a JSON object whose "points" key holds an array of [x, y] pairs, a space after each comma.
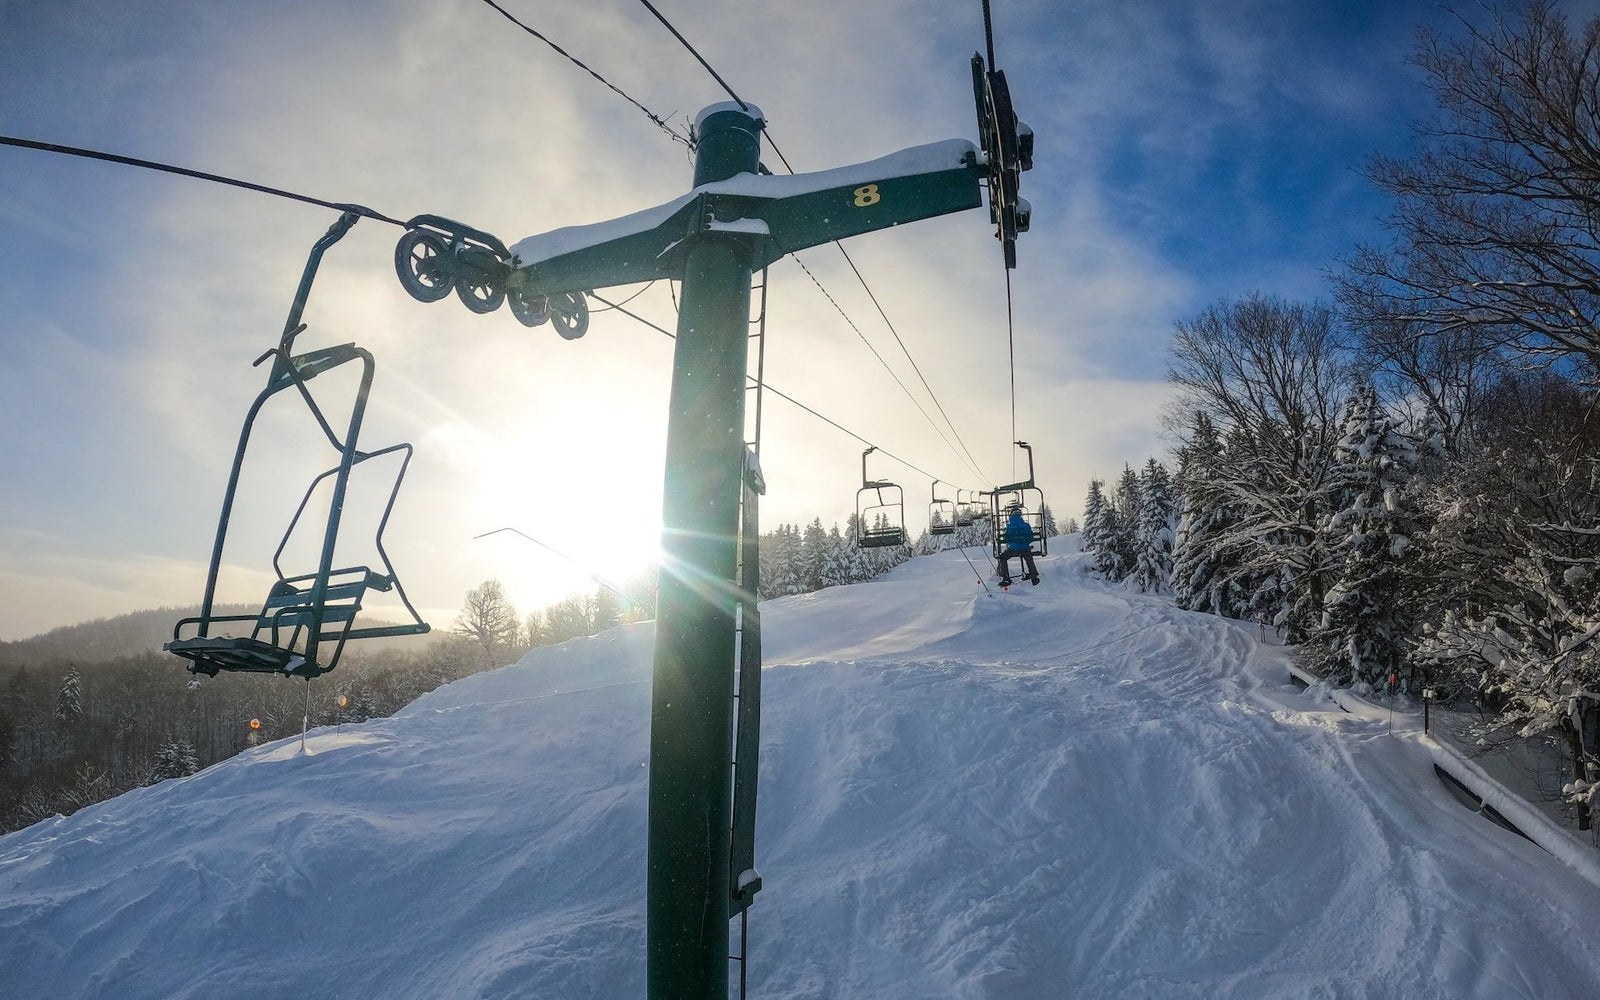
{"points": [[1067, 790]]}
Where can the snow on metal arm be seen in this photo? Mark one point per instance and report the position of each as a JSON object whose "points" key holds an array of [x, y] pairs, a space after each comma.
{"points": [[779, 214]]}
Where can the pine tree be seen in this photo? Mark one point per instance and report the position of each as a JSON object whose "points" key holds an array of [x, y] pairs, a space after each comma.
{"points": [[8, 739], [813, 556], [859, 567], [607, 607], [1094, 516], [837, 572], [176, 758], [1154, 535], [361, 707], [1047, 520], [780, 552], [1367, 623], [69, 699], [1203, 517], [1119, 554]]}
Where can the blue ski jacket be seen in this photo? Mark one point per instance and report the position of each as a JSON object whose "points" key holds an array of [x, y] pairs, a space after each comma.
{"points": [[1019, 535]]}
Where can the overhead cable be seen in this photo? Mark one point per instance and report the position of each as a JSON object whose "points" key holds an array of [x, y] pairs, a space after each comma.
{"points": [[93, 154], [679, 36], [903, 387], [781, 395], [661, 124], [914, 366], [969, 460]]}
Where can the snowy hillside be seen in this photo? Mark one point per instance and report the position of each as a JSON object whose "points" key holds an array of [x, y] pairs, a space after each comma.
{"points": [[1067, 790]]}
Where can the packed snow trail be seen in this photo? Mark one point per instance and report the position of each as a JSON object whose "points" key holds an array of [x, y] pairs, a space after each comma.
{"points": [[1066, 790]]}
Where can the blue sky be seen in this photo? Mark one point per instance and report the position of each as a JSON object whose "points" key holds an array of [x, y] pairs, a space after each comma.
{"points": [[1186, 152]]}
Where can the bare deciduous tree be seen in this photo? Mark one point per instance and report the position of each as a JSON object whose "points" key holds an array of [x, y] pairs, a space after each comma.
{"points": [[1271, 375], [488, 618], [1497, 224]]}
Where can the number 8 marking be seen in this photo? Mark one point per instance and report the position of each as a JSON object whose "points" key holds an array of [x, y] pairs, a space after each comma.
{"points": [[867, 194]]}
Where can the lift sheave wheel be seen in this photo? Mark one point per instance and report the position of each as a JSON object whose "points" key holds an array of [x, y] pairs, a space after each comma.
{"points": [[569, 313], [425, 264], [478, 283], [530, 310], [437, 254]]}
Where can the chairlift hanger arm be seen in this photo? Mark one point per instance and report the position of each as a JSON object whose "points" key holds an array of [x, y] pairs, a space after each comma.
{"points": [[292, 325], [1026, 484], [779, 215]]}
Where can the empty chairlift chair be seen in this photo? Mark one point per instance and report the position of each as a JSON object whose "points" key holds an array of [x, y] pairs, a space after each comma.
{"points": [[964, 512], [880, 510], [942, 513], [305, 619]]}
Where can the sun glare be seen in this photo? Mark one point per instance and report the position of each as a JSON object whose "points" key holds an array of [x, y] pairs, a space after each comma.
{"points": [[558, 514]]}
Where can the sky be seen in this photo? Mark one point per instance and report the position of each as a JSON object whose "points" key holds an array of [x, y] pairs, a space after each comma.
{"points": [[961, 795], [1186, 152]]}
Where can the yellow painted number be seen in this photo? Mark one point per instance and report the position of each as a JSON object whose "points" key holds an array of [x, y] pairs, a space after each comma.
{"points": [[867, 194]]}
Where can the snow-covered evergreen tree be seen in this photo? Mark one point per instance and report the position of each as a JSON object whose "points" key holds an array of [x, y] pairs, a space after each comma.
{"points": [[1155, 526], [1118, 554], [69, 699], [1094, 516], [1368, 623], [859, 567], [1198, 574], [780, 553], [837, 567], [176, 758], [813, 557], [360, 707], [1047, 520]]}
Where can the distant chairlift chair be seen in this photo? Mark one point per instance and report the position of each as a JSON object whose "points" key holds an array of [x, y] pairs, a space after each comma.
{"points": [[964, 510], [306, 619], [882, 515], [942, 513]]}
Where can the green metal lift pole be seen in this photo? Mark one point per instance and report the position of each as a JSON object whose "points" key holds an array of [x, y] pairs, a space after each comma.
{"points": [[691, 711]]}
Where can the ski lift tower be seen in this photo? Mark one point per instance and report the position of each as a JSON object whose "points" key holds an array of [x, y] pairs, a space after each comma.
{"points": [[735, 220]]}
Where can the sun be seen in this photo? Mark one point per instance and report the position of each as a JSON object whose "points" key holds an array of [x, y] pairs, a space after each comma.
{"points": [[555, 516]]}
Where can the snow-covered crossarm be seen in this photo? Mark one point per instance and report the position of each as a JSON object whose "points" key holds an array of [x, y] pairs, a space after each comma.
{"points": [[779, 214]]}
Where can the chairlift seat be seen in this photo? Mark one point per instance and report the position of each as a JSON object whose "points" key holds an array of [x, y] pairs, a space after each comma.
{"points": [[873, 538], [288, 616]]}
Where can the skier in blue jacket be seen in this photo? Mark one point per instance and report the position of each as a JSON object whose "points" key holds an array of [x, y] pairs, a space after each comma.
{"points": [[1019, 542]]}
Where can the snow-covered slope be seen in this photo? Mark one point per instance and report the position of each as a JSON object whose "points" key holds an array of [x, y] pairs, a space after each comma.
{"points": [[1067, 790]]}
